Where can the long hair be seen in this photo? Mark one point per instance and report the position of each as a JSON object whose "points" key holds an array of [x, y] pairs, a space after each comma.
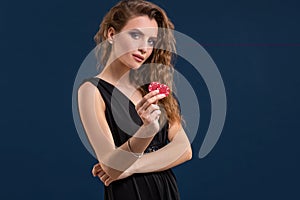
{"points": [[159, 66]]}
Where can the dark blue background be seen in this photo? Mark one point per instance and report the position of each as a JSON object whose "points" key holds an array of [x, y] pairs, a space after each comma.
{"points": [[255, 45]]}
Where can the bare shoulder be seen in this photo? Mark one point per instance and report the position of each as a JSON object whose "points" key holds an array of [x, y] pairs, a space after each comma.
{"points": [[88, 92]]}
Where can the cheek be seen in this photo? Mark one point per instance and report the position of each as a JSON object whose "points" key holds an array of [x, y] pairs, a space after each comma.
{"points": [[124, 45], [125, 58]]}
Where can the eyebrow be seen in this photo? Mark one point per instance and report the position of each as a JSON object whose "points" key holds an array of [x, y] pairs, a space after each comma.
{"points": [[141, 32]]}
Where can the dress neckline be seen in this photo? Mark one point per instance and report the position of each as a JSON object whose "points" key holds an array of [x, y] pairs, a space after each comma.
{"points": [[108, 83]]}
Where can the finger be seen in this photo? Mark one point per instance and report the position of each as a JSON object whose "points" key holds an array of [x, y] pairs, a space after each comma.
{"points": [[147, 96], [100, 174], [150, 101], [146, 113], [104, 178], [96, 169], [152, 107], [97, 166], [152, 116], [108, 181]]}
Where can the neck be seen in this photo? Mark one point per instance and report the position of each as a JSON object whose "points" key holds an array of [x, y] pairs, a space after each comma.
{"points": [[116, 73]]}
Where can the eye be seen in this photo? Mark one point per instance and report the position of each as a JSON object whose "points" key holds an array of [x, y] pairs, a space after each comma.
{"points": [[151, 42], [135, 35]]}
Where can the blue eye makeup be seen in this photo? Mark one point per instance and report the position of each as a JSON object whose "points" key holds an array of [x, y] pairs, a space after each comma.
{"points": [[152, 42], [135, 35]]}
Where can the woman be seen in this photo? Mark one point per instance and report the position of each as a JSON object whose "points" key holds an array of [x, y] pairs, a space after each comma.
{"points": [[137, 145]]}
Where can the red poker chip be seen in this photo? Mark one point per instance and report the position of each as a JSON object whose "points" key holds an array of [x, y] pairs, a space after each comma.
{"points": [[153, 86], [163, 89]]}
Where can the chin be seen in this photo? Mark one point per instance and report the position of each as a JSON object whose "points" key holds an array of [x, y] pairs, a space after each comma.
{"points": [[135, 67]]}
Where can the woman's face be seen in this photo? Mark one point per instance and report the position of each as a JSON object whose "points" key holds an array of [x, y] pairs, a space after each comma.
{"points": [[135, 42]]}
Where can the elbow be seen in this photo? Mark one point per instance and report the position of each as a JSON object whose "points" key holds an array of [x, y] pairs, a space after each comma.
{"points": [[189, 153]]}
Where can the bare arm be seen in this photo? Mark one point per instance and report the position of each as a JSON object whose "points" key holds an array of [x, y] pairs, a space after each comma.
{"points": [[114, 160], [173, 154]]}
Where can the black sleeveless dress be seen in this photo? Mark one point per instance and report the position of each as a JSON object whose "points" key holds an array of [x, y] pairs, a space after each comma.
{"points": [[141, 186]]}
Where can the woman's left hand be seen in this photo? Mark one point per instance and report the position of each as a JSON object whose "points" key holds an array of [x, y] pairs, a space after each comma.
{"points": [[98, 171]]}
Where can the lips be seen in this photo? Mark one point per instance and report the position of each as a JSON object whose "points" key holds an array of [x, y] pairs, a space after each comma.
{"points": [[138, 57]]}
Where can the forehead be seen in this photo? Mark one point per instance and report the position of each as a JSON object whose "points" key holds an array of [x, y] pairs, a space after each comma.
{"points": [[143, 23]]}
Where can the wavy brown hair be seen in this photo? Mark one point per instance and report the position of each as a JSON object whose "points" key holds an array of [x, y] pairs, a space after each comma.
{"points": [[159, 66]]}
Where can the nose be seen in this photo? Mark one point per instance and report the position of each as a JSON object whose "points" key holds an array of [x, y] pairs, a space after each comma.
{"points": [[143, 46], [143, 50]]}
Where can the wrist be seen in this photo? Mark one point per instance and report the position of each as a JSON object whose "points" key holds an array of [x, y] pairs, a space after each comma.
{"points": [[147, 131], [137, 155]]}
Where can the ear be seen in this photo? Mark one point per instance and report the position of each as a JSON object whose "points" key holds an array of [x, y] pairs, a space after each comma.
{"points": [[110, 34]]}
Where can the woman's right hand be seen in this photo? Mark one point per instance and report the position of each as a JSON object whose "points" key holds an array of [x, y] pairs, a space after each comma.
{"points": [[148, 110], [98, 171]]}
